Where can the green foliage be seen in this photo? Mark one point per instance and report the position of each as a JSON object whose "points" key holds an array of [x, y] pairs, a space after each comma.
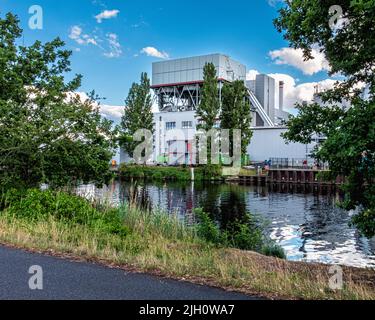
{"points": [[35, 205], [209, 107], [236, 113], [350, 134], [245, 235], [207, 229], [365, 221], [138, 114], [350, 50], [273, 250], [47, 133], [209, 172]]}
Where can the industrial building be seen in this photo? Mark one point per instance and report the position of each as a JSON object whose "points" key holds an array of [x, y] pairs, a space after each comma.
{"points": [[177, 86]]}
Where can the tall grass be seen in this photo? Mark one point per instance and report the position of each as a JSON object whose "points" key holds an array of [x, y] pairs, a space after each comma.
{"points": [[155, 223]]}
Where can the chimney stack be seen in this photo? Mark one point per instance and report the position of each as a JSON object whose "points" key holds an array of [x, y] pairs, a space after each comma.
{"points": [[281, 95]]}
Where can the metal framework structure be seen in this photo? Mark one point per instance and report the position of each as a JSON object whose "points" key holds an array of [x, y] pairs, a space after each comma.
{"points": [[182, 97], [178, 97]]}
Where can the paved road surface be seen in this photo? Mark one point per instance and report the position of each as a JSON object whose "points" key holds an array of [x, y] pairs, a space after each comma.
{"points": [[64, 279]]}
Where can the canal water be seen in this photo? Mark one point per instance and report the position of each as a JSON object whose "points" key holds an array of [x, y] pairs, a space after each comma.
{"points": [[304, 220]]}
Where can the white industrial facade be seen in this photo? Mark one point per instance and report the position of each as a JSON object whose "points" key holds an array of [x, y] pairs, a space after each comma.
{"points": [[267, 144], [177, 87]]}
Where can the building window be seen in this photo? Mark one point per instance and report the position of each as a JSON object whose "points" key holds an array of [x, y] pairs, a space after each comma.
{"points": [[187, 124], [170, 125]]}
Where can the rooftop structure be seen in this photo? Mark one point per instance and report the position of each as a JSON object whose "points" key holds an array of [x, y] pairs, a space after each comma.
{"points": [[177, 83]]}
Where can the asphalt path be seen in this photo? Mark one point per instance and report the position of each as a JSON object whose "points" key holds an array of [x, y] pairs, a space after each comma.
{"points": [[68, 280]]}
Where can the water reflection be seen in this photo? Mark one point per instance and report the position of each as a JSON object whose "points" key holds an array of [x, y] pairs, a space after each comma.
{"points": [[302, 219]]}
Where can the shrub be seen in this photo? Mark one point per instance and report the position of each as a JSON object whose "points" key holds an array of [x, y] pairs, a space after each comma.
{"points": [[245, 235], [36, 204], [206, 228], [209, 172], [365, 222], [273, 250], [212, 172]]}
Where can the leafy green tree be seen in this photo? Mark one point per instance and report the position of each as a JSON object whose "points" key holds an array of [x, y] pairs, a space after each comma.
{"points": [[209, 107], [138, 114], [236, 113], [349, 46], [47, 133]]}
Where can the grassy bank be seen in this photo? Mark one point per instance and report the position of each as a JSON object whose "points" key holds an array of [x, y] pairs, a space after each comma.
{"points": [[159, 244], [154, 173]]}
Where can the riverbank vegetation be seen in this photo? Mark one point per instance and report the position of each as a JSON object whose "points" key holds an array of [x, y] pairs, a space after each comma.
{"points": [[160, 173], [65, 225]]}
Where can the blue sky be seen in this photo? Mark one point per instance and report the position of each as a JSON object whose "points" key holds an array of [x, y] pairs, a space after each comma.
{"points": [[114, 41]]}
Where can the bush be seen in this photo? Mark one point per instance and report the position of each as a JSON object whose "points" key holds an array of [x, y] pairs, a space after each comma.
{"points": [[245, 235], [212, 172], [273, 250], [183, 173], [206, 228], [36, 204], [365, 222]]}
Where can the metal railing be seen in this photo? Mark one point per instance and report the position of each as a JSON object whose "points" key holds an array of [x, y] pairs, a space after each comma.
{"points": [[297, 163]]}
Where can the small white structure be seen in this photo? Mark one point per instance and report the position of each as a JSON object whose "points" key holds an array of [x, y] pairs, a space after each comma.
{"points": [[267, 144]]}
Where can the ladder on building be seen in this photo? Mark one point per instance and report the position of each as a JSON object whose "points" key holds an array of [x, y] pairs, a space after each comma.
{"points": [[259, 108]]}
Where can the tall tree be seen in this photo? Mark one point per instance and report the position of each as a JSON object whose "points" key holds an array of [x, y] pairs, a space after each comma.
{"points": [[349, 46], [138, 114], [48, 134], [209, 107], [236, 113]]}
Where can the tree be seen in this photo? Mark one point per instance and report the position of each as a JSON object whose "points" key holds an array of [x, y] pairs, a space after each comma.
{"points": [[236, 113], [349, 46], [138, 114], [209, 107], [48, 134]]}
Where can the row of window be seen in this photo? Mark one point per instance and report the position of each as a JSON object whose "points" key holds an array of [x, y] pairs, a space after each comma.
{"points": [[185, 125]]}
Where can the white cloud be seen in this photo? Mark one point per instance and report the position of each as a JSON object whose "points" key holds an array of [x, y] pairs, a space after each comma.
{"points": [[106, 14], [273, 3], [107, 111], [76, 34], [112, 111], [153, 52], [294, 93], [251, 74], [294, 57], [115, 49]]}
